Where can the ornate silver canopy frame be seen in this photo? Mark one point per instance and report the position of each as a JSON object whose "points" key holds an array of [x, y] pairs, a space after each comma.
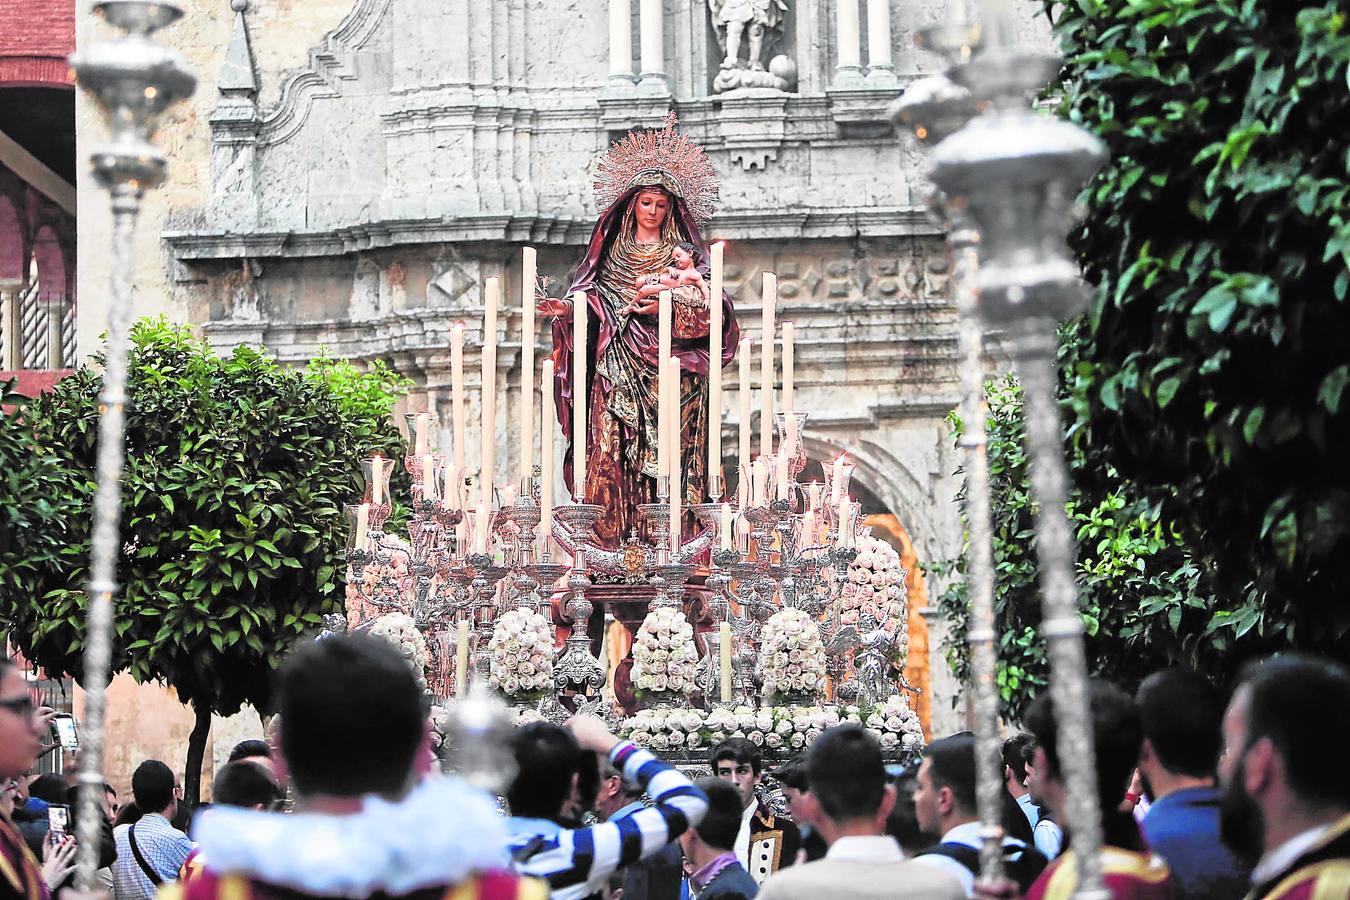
{"points": [[134, 80]]}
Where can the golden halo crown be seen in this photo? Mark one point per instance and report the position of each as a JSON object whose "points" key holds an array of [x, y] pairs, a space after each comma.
{"points": [[665, 158]]}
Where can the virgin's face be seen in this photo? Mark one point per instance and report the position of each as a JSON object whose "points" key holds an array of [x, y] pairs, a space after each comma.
{"points": [[652, 209]]}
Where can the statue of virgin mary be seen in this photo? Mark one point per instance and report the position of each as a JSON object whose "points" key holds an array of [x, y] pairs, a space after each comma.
{"points": [[654, 189]]}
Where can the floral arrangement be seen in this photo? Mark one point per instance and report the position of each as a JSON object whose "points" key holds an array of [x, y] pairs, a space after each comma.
{"points": [[400, 631], [895, 725], [792, 654], [522, 653], [780, 730], [664, 655], [876, 586]]}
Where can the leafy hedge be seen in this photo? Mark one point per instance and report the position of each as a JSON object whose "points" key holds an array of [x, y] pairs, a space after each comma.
{"points": [[237, 473], [1214, 367]]}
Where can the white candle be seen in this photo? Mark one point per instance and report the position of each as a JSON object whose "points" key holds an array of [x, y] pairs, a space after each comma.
{"points": [[781, 465], [579, 434], [724, 542], [462, 658], [362, 525], [428, 478], [673, 453], [450, 486], [487, 461], [788, 352], [420, 438], [376, 481], [480, 526], [546, 425], [814, 491], [845, 522], [808, 536], [715, 364], [768, 300], [743, 404], [527, 338], [457, 390], [724, 653], [837, 481], [791, 441], [759, 475]]}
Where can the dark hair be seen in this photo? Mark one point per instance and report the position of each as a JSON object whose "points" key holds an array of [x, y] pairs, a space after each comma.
{"points": [[546, 759], [1302, 703], [53, 789], [1182, 717], [588, 777], [1015, 821], [129, 814], [250, 748], [739, 750], [1116, 735], [793, 773], [951, 764], [152, 786], [903, 822], [1017, 751], [846, 772], [722, 822], [244, 783], [352, 717]]}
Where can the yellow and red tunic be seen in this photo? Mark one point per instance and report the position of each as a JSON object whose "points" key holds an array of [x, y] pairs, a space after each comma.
{"points": [[1323, 873], [1126, 874], [21, 870]]}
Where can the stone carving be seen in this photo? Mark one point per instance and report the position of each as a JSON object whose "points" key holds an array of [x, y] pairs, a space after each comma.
{"points": [[759, 24]]}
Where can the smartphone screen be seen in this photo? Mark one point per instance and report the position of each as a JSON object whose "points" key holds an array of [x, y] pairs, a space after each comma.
{"points": [[58, 818], [66, 732]]}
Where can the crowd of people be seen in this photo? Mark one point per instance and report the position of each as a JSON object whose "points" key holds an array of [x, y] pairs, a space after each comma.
{"points": [[1199, 798]]}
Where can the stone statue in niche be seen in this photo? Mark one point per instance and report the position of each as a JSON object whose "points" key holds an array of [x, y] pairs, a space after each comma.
{"points": [[759, 23]]}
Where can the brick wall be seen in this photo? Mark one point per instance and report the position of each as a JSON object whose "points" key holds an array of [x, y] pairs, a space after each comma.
{"points": [[36, 36]]}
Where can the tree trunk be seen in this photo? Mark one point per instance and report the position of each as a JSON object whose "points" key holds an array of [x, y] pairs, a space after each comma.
{"points": [[192, 777]]}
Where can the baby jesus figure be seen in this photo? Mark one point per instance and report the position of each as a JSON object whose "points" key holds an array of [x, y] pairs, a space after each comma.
{"points": [[681, 274]]}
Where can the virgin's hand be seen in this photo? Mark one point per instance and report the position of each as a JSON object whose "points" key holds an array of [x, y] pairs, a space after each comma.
{"points": [[58, 861], [554, 309], [645, 306]]}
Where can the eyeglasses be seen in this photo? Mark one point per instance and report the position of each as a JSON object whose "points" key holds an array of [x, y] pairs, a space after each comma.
{"points": [[20, 706]]}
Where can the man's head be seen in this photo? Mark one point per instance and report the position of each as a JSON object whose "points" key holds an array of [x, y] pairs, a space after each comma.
{"points": [[737, 760], [944, 795], [155, 788], [110, 805], [20, 739], [796, 788], [1285, 734], [1116, 736], [245, 783], [353, 717], [849, 790], [547, 765], [716, 834], [614, 793], [1181, 715], [1017, 751]]}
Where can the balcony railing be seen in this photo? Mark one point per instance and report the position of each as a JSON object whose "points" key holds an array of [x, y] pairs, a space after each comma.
{"points": [[37, 329]]}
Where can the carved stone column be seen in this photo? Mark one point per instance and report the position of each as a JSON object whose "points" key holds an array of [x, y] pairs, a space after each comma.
{"points": [[880, 68], [621, 42], [848, 30], [11, 327], [653, 48]]}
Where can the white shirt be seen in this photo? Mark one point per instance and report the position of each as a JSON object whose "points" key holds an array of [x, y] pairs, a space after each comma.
{"points": [[966, 834], [865, 848], [742, 847], [1049, 838], [1283, 856], [1032, 811]]}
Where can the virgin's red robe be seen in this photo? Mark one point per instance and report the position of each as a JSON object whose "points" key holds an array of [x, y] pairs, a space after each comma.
{"points": [[1128, 875], [640, 337]]}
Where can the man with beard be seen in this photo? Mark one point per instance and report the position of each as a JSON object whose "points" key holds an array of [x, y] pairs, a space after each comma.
{"points": [[1181, 714], [1286, 788], [1129, 871]]}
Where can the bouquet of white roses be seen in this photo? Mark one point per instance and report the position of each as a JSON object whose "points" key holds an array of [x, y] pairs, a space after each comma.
{"points": [[400, 631], [522, 653], [792, 654], [895, 725], [876, 587], [666, 729], [664, 655]]}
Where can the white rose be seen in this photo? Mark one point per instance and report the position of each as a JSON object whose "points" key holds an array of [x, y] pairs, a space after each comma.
{"points": [[694, 740], [660, 742], [797, 740], [889, 741], [756, 738], [773, 740], [677, 738], [717, 737]]}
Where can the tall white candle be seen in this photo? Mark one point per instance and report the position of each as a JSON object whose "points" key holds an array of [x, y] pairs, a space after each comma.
{"points": [[715, 364], [814, 491], [480, 527], [579, 434], [759, 475], [663, 411], [743, 406], [487, 462], [461, 657], [789, 333], [768, 300], [724, 533], [362, 525], [457, 391], [845, 522], [837, 480], [527, 336], [673, 454], [420, 434], [546, 425], [428, 478], [808, 536], [781, 473], [376, 481], [724, 656]]}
